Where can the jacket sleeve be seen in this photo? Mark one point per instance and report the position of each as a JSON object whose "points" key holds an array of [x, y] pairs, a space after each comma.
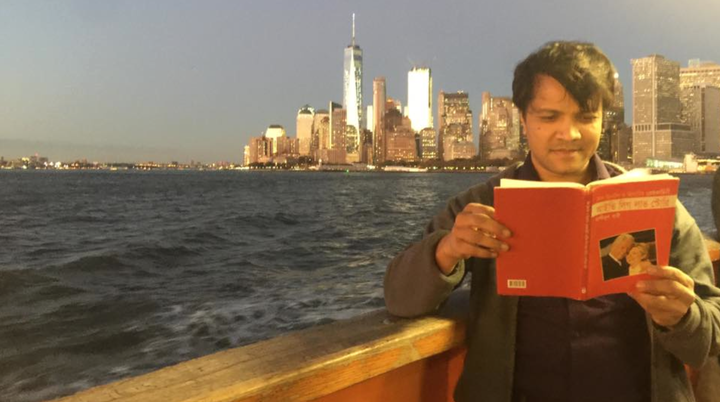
{"points": [[414, 284], [697, 336]]}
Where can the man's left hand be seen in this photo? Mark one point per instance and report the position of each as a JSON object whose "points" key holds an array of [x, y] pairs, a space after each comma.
{"points": [[667, 296]]}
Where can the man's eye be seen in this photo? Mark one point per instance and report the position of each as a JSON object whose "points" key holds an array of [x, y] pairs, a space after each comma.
{"points": [[588, 118], [551, 117]]}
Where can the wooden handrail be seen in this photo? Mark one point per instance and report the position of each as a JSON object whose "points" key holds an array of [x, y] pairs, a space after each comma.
{"points": [[300, 366], [320, 363]]}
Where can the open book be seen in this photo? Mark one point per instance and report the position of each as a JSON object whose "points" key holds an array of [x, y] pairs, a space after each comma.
{"points": [[581, 242]]}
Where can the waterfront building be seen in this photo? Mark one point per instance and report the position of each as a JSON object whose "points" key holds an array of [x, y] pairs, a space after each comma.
{"points": [[400, 139], [700, 72], [285, 146], [369, 118], [658, 132], [419, 104], [333, 136], [701, 111], [321, 130], [393, 103], [379, 100], [499, 124], [246, 155], [454, 126], [304, 129], [428, 144], [613, 122], [352, 95], [260, 149], [273, 132], [625, 146]]}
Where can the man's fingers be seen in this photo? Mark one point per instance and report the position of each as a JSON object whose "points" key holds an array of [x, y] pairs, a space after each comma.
{"points": [[483, 239], [672, 274], [664, 311], [667, 288], [482, 223], [478, 208], [475, 250]]}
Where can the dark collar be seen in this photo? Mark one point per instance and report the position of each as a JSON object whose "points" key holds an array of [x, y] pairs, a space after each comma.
{"points": [[597, 168]]}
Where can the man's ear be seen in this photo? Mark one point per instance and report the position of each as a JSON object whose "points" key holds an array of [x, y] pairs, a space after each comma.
{"points": [[523, 128]]}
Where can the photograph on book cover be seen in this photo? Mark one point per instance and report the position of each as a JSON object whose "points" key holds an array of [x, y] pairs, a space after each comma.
{"points": [[627, 254]]}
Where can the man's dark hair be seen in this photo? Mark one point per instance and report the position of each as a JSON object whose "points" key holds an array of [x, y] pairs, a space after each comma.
{"points": [[583, 69]]}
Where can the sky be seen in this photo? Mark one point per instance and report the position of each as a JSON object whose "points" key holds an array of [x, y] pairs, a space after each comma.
{"points": [[187, 80]]}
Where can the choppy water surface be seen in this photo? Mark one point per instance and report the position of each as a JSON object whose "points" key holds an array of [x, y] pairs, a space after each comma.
{"points": [[104, 275]]}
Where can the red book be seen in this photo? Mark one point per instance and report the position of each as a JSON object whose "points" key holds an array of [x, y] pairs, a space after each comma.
{"points": [[581, 242]]}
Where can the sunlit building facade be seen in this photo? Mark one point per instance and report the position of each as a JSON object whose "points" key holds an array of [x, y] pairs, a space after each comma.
{"points": [[321, 129], [260, 150], [352, 96], [304, 129], [499, 129], [272, 133], [455, 126], [400, 137], [658, 132], [700, 72], [428, 144], [420, 98], [379, 100], [246, 155]]}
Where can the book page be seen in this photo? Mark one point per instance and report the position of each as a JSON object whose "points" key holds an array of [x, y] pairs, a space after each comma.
{"points": [[631, 228], [546, 255]]}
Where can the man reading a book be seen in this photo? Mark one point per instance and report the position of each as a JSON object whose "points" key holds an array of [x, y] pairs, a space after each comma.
{"points": [[614, 264], [618, 347]]}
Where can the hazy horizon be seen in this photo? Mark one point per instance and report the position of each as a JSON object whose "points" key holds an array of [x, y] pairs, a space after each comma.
{"points": [[181, 80]]}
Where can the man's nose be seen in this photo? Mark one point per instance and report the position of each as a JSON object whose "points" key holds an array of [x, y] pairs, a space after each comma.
{"points": [[569, 131]]}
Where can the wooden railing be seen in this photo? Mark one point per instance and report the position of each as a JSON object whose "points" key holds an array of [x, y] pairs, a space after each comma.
{"points": [[374, 357]]}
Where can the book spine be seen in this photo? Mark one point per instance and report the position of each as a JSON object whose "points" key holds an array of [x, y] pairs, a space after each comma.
{"points": [[586, 242]]}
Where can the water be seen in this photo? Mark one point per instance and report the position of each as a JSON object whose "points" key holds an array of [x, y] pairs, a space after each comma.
{"points": [[105, 275]]}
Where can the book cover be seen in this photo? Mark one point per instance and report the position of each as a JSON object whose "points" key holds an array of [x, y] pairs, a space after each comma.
{"points": [[581, 242]]}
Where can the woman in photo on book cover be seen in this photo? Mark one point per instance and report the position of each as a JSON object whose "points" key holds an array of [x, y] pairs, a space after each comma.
{"points": [[638, 259], [618, 347]]}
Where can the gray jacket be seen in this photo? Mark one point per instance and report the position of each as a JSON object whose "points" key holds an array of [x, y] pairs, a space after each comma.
{"points": [[414, 285]]}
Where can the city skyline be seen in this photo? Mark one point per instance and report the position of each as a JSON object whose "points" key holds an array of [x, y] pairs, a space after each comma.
{"points": [[181, 80]]}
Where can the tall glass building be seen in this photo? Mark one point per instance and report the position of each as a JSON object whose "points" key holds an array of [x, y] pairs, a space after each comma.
{"points": [[420, 98], [352, 95]]}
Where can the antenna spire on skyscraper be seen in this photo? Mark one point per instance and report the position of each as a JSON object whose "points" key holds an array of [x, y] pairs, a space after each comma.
{"points": [[353, 30]]}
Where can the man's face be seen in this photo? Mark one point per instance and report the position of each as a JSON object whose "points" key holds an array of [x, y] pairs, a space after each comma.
{"points": [[620, 249], [561, 137]]}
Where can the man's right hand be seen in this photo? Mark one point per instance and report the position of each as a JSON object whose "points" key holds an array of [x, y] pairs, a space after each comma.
{"points": [[475, 233]]}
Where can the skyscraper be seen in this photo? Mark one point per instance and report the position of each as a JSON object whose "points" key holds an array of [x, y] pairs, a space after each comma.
{"points": [[701, 110], [274, 132], [428, 144], [352, 95], [612, 124], [700, 72], [304, 129], [399, 137], [499, 128], [321, 131], [657, 130], [698, 78], [379, 99], [420, 98], [455, 126]]}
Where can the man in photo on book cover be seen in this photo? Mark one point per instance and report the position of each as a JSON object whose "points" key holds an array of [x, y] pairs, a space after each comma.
{"points": [[614, 264], [618, 347]]}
